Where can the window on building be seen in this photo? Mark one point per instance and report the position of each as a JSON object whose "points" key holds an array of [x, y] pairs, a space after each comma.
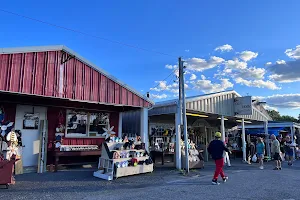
{"points": [[85, 124]]}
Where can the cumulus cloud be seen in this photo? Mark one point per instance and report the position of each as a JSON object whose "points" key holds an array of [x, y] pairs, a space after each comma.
{"points": [[267, 107], [280, 62], [293, 53], [283, 100], [207, 86], [250, 73], [162, 86], [236, 64], [171, 66], [187, 50], [287, 72], [257, 83], [236, 68], [248, 55], [193, 77], [225, 47], [199, 64], [268, 64], [158, 96]]}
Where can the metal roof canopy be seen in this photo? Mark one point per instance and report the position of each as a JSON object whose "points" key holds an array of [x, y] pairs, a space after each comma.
{"points": [[221, 103], [14, 50], [274, 124]]}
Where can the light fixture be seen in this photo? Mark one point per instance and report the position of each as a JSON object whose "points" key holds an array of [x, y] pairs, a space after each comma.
{"points": [[247, 122], [196, 115], [224, 118]]}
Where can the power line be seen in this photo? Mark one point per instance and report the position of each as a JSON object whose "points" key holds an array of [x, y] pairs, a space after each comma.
{"points": [[173, 71], [86, 34]]}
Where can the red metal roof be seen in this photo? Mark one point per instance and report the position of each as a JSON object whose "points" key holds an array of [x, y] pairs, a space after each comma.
{"points": [[39, 71]]}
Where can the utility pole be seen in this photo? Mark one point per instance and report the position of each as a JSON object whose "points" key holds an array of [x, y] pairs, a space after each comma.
{"points": [[184, 119]]}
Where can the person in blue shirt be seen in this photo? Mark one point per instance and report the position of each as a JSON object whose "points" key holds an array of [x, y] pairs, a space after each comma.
{"points": [[260, 152]]}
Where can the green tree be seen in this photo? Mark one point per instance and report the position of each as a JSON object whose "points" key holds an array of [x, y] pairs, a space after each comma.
{"points": [[286, 118], [275, 115]]}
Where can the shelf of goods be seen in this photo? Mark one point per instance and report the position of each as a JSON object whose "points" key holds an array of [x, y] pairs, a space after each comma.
{"points": [[111, 167], [194, 160]]}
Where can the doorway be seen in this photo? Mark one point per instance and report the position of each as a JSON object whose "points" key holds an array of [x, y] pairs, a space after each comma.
{"points": [[28, 122]]}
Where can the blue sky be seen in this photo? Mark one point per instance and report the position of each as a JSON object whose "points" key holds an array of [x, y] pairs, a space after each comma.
{"points": [[254, 33]]}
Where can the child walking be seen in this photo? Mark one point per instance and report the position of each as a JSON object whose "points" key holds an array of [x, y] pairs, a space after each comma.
{"points": [[260, 152]]}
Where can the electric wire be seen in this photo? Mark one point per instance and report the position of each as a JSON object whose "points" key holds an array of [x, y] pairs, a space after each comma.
{"points": [[84, 33], [94, 36]]}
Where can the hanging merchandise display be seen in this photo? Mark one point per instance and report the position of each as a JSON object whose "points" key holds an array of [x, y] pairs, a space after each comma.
{"points": [[195, 157], [123, 157]]}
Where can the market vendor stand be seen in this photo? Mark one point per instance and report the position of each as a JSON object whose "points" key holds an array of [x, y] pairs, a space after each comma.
{"points": [[118, 161]]}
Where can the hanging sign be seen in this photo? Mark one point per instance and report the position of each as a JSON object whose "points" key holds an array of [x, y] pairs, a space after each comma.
{"points": [[243, 105]]}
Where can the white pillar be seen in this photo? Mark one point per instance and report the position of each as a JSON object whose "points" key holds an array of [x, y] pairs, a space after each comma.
{"points": [[267, 139], [244, 140], [144, 127], [223, 128], [292, 133], [120, 125], [178, 139], [292, 137], [206, 144]]}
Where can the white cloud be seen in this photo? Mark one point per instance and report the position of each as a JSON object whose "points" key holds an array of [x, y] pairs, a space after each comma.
{"points": [[257, 83], [171, 66], [236, 68], [283, 100], [293, 53], [199, 64], [158, 96], [193, 77], [280, 62], [248, 55], [187, 50], [267, 107], [268, 64], [207, 86], [251, 73], [285, 72], [225, 47], [162, 86], [236, 64]]}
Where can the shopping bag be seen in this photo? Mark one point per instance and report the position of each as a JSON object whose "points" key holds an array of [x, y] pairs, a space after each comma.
{"points": [[254, 158], [282, 156]]}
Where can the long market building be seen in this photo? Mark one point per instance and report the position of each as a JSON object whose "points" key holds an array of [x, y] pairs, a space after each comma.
{"points": [[206, 114], [75, 98]]}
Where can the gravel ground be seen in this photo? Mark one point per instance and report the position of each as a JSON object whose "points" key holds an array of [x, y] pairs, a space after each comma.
{"points": [[246, 182]]}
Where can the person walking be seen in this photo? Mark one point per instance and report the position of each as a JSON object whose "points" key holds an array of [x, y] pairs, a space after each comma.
{"points": [[216, 149], [250, 150], [260, 152], [275, 150], [226, 156], [289, 150]]}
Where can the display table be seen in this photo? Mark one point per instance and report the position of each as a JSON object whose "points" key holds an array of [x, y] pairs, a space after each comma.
{"points": [[162, 154], [58, 154], [195, 159], [113, 165]]}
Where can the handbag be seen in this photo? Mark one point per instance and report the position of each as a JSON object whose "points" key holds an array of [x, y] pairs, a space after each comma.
{"points": [[254, 158]]}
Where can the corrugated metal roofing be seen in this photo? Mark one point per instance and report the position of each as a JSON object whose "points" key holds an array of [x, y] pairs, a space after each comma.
{"points": [[17, 50], [221, 103]]}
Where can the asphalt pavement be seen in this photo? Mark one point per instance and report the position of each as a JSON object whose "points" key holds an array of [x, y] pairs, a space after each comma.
{"points": [[245, 182]]}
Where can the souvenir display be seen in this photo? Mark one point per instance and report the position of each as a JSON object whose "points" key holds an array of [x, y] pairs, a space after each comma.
{"points": [[115, 163], [195, 158]]}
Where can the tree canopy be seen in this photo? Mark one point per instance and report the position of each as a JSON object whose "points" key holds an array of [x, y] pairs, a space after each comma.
{"points": [[286, 118]]}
